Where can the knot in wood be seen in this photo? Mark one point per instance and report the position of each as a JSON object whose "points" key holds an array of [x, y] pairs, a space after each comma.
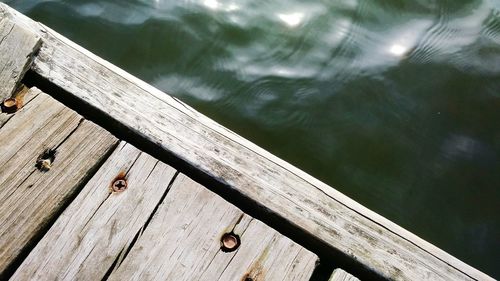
{"points": [[10, 105], [119, 185]]}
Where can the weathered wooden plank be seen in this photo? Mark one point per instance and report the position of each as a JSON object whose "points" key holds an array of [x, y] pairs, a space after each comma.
{"points": [[31, 198], [182, 242], [312, 207], [17, 46], [99, 225], [340, 275]]}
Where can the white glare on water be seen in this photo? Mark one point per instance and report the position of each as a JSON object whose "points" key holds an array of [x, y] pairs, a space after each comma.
{"points": [[212, 4], [215, 5], [398, 50], [292, 20]]}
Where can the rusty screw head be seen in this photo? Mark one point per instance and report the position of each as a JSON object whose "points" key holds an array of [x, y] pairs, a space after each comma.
{"points": [[230, 242], [119, 185], [10, 105]]}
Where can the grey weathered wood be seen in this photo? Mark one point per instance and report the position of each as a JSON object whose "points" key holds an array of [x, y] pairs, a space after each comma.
{"points": [[340, 275], [31, 198], [17, 46], [182, 242], [98, 226], [311, 206]]}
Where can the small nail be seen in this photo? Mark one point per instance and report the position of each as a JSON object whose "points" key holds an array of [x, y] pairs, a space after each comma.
{"points": [[230, 242]]}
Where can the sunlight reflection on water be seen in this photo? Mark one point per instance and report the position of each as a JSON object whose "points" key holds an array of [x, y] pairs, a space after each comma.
{"points": [[292, 20]]}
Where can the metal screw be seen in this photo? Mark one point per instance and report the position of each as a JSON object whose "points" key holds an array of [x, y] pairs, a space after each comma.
{"points": [[230, 242], [10, 105], [119, 185], [46, 159]]}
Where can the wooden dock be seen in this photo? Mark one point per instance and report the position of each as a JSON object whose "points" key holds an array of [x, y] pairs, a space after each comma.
{"points": [[104, 177]]}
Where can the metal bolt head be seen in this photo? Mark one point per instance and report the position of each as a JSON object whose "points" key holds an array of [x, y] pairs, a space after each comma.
{"points": [[10, 105], [230, 242], [46, 159], [119, 185]]}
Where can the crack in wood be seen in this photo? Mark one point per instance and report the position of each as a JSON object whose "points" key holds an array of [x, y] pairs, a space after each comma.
{"points": [[64, 194], [120, 258], [4, 37]]}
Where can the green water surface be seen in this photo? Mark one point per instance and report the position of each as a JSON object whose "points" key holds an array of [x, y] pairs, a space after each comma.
{"points": [[395, 103]]}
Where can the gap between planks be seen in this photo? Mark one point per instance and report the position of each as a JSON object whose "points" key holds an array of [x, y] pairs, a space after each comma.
{"points": [[32, 199], [138, 234]]}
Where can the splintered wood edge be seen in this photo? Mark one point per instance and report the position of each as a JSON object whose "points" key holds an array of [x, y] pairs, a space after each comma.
{"points": [[450, 266]]}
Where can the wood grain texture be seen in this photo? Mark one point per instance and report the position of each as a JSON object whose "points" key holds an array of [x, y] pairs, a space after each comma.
{"points": [[99, 226], [31, 198], [17, 46], [340, 275], [182, 242], [307, 204]]}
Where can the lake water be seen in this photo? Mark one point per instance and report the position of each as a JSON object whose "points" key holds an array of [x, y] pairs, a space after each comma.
{"points": [[394, 103]]}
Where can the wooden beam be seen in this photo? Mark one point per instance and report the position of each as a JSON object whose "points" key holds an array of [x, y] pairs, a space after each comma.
{"points": [[329, 218], [32, 198], [17, 46], [190, 223]]}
